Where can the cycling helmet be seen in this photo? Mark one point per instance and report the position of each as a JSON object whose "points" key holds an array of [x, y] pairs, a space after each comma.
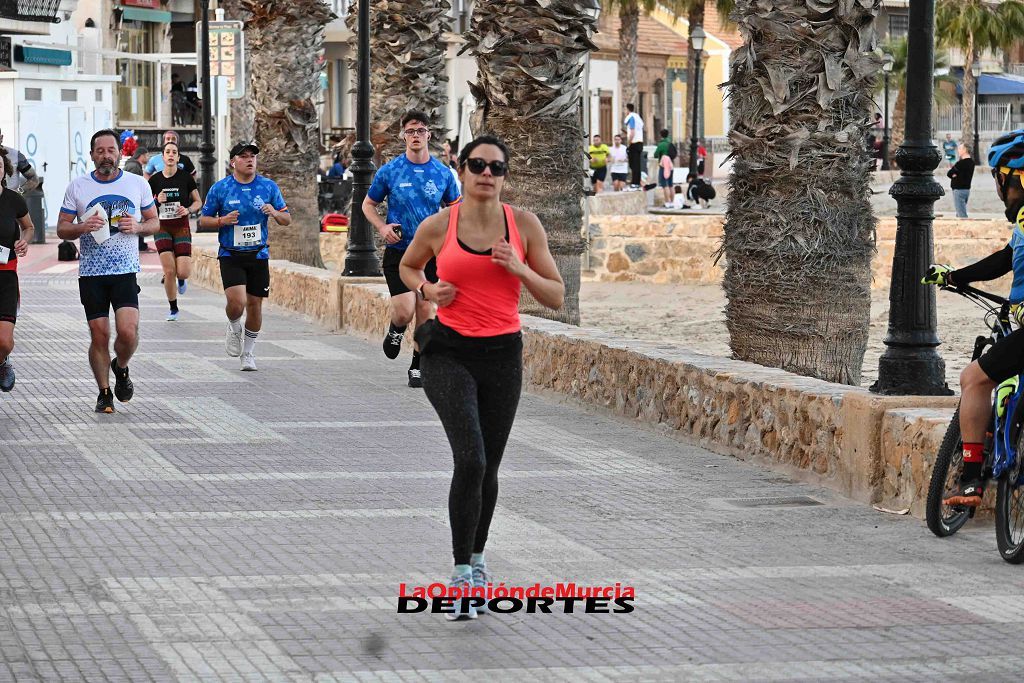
{"points": [[1007, 151]]}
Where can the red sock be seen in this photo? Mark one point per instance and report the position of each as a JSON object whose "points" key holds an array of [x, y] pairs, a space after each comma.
{"points": [[973, 452]]}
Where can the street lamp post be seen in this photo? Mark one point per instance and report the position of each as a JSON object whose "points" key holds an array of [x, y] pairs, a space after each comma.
{"points": [[976, 71], [206, 158], [361, 257], [911, 363], [697, 44], [887, 64]]}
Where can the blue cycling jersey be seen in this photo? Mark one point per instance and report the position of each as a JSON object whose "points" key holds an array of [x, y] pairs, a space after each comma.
{"points": [[251, 232]]}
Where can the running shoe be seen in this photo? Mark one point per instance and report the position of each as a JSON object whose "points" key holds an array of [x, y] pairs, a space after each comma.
{"points": [[6, 375], [481, 577], [105, 402], [123, 387], [463, 608], [172, 317], [233, 342], [393, 342], [415, 381], [182, 286], [248, 362], [969, 495]]}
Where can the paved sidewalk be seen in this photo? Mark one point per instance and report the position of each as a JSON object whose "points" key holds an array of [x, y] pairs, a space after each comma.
{"points": [[255, 526]]}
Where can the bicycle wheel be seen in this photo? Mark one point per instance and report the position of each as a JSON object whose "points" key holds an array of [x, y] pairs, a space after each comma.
{"points": [[1010, 515], [944, 520]]}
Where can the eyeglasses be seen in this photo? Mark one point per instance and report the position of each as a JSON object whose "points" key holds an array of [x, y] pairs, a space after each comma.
{"points": [[415, 132], [477, 166]]}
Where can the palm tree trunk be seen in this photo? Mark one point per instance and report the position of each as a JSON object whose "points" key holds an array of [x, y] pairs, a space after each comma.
{"points": [[243, 113], [629, 21], [899, 122], [521, 93], [799, 232], [407, 69], [695, 16], [286, 39], [967, 122]]}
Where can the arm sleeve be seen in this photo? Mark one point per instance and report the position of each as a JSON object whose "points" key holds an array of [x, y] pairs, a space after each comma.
{"points": [[951, 172], [191, 186], [379, 188], [989, 268]]}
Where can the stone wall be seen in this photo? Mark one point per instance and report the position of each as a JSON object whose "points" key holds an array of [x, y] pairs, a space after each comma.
{"points": [[871, 448], [681, 249]]}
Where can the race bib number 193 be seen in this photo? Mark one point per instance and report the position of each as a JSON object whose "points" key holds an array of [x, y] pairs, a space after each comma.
{"points": [[248, 236]]}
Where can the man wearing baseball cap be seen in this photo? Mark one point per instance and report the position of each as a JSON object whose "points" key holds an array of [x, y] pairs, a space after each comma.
{"points": [[240, 207]]}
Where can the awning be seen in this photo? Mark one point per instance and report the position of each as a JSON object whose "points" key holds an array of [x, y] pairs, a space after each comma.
{"points": [[997, 84], [40, 55], [141, 14]]}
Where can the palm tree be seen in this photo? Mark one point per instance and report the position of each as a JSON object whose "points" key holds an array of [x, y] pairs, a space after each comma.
{"points": [[242, 112], [407, 66], [285, 41], [898, 79], [799, 232], [974, 26], [530, 59]]}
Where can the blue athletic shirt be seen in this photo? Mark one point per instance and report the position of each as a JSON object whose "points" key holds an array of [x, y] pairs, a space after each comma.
{"points": [[414, 192], [1017, 244], [228, 195]]}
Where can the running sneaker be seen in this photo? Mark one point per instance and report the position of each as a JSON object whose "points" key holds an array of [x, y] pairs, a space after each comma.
{"points": [[123, 387], [481, 577], [182, 286], [970, 494], [393, 342], [415, 381], [463, 608], [105, 402], [172, 316], [248, 362], [233, 342], [6, 375]]}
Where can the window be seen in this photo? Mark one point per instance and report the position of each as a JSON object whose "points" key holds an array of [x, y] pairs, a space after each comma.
{"points": [[34, 94], [137, 90], [99, 95], [899, 25], [658, 107], [68, 95]]}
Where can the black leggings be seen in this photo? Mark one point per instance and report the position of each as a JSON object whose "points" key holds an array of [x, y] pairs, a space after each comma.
{"points": [[476, 396]]}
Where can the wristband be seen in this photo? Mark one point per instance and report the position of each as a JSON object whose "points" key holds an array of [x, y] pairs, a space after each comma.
{"points": [[419, 291]]}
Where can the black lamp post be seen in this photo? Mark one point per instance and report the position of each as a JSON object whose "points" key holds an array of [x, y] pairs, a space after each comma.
{"points": [[887, 64], [911, 363], [206, 158], [697, 36], [976, 71], [361, 257]]}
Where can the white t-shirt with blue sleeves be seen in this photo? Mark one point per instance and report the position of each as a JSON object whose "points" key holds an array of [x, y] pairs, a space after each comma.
{"points": [[414, 192], [251, 233], [125, 195]]}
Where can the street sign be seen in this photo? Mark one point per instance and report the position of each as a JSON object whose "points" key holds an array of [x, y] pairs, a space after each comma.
{"points": [[227, 54]]}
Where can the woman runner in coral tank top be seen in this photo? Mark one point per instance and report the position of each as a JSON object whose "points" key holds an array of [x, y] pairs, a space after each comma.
{"points": [[472, 353]]}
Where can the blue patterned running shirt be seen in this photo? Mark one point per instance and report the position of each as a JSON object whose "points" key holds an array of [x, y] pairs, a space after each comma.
{"points": [[414, 192], [251, 232]]}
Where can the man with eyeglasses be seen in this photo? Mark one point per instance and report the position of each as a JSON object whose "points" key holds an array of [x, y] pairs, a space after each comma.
{"points": [[416, 186]]}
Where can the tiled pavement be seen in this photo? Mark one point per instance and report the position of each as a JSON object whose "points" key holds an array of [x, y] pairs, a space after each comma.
{"points": [[230, 526]]}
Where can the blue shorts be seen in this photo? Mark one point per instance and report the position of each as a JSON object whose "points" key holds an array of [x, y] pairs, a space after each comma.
{"points": [[662, 180]]}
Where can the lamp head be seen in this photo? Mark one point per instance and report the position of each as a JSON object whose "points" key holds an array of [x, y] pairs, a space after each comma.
{"points": [[697, 37], [887, 63], [976, 69]]}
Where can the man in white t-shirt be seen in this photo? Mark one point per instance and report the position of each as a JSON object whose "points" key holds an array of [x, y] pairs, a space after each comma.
{"points": [[113, 208], [619, 163], [634, 125]]}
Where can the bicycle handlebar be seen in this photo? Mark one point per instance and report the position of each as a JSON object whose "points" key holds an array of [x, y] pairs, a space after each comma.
{"points": [[968, 290]]}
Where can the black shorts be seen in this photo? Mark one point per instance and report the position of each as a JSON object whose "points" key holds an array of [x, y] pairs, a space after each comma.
{"points": [[389, 264], [10, 296], [1005, 358], [599, 174], [619, 177], [246, 269], [101, 292]]}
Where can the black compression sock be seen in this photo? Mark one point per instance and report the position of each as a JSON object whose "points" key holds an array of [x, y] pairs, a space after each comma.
{"points": [[174, 306]]}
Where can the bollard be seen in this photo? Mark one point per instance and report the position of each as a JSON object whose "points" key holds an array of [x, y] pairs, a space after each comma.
{"points": [[37, 211]]}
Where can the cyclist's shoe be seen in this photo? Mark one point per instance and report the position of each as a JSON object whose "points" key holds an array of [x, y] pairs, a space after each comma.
{"points": [[393, 342], [123, 387], [105, 401], [415, 380], [937, 274], [969, 495], [463, 608]]}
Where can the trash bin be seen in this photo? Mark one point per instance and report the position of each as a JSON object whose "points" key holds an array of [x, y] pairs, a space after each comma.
{"points": [[37, 212]]}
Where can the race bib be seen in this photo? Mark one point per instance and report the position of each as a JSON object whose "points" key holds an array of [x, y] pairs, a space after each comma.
{"points": [[248, 236], [169, 210], [5, 255]]}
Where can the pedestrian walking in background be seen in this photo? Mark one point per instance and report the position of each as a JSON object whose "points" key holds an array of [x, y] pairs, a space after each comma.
{"points": [[634, 125], [619, 164], [472, 353], [960, 177], [598, 153], [949, 149], [156, 161], [177, 196], [15, 232]]}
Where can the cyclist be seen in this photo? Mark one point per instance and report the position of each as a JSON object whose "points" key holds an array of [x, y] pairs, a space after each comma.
{"points": [[1006, 357]]}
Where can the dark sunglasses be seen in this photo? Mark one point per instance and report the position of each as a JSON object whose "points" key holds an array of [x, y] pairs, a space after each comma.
{"points": [[477, 166]]}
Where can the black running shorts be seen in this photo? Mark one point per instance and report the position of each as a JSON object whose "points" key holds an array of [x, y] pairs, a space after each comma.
{"points": [[100, 293], [246, 269], [389, 264], [10, 296], [1005, 358]]}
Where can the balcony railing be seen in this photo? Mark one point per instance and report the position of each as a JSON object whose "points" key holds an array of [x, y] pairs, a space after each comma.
{"points": [[992, 118]]}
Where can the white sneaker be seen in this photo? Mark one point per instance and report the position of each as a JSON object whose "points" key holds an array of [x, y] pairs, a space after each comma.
{"points": [[233, 342], [248, 362]]}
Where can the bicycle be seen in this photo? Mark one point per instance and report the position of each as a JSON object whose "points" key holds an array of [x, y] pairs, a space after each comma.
{"points": [[1004, 439]]}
